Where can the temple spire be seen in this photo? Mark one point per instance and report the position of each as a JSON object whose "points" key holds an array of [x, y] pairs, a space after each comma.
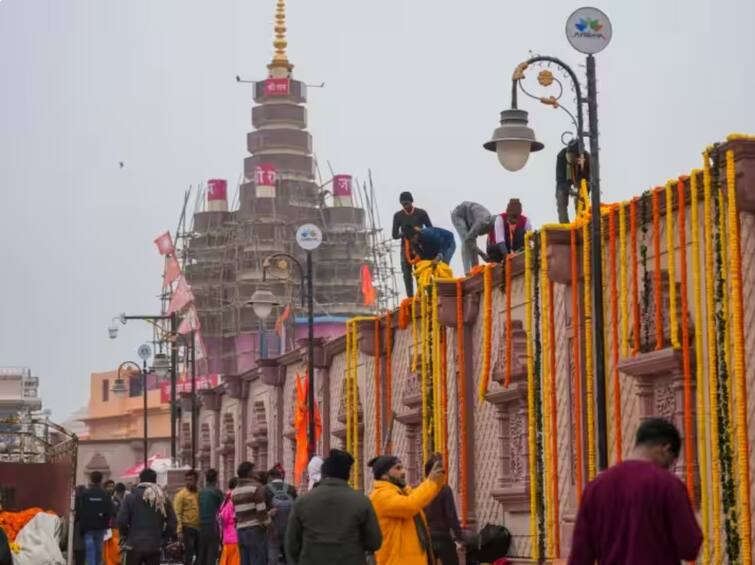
{"points": [[280, 63]]}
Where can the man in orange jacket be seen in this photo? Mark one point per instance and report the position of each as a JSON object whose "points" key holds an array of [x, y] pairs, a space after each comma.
{"points": [[406, 537]]}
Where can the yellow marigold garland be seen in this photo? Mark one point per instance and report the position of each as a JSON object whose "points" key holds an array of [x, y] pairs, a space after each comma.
{"points": [[624, 281], [437, 418], [547, 375], [712, 374], [703, 461], [531, 440], [423, 374], [740, 375], [487, 329], [671, 267], [589, 378]]}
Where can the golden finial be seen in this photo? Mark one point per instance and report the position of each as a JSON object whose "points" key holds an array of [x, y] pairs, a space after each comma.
{"points": [[280, 59]]}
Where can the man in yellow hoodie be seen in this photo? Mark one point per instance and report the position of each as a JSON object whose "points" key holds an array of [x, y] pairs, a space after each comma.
{"points": [[186, 504], [406, 538]]}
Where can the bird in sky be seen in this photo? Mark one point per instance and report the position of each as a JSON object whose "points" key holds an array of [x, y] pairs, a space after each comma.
{"points": [[121, 164]]}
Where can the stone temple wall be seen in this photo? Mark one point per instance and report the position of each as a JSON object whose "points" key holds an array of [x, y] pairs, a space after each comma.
{"points": [[250, 416]]}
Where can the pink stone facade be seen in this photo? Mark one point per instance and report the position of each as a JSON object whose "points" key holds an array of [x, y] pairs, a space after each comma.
{"points": [[251, 415]]}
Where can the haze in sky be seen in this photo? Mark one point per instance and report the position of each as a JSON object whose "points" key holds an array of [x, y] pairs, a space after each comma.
{"points": [[413, 89]]}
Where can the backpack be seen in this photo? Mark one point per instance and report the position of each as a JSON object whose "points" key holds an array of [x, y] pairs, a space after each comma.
{"points": [[282, 502]]}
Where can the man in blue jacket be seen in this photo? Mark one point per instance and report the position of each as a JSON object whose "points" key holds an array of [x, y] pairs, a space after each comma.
{"points": [[434, 244]]}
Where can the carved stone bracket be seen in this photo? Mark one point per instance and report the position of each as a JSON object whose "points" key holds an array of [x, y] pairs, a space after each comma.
{"points": [[518, 356], [447, 306], [660, 388], [271, 373], [236, 387], [559, 257], [367, 336], [744, 164], [210, 399], [512, 484]]}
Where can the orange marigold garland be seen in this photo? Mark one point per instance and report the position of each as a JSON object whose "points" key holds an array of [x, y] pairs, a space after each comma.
{"points": [[577, 361], [670, 266], [554, 423], [378, 388], [389, 374], [507, 275], [686, 362], [614, 332], [635, 276], [657, 291], [461, 378], [487, 328]]}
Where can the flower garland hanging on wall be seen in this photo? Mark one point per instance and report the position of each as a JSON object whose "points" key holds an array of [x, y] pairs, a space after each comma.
{"points": [[657, 288], [671, 267], [576, 361], [538, 414], [686, 361], [726, 456], [740, 375], [623, 282], [378, 388], [487, 329], [508, 349], [424, 388], [716, 483], [614, 334], [646, 322], [415, 341], [461, 379], [635, 277], [702, 451], [389, 376], [589, 377], [531, 400]]}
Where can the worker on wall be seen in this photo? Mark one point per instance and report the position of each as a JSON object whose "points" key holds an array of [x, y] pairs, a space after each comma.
{"points": [[571, 169], [471, 220], [507, 234], [404, 222]]}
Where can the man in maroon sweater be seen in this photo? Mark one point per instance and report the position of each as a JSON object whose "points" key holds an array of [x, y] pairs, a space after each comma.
{"points": [[638, 511]]}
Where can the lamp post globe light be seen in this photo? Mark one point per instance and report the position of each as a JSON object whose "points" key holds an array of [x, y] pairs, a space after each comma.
{"points": [[589, 31], [120, 390], [263, 301]]}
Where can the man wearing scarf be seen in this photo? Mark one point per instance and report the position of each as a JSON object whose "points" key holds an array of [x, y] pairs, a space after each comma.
{"points": [[406, 537]]}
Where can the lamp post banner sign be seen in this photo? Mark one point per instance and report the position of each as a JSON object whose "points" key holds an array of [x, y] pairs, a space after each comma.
{"points": [[309, 237], [589, 30]]}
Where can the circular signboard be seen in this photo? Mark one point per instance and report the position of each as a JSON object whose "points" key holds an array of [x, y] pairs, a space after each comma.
{"points": [[589, 30], [309, 237], [144, 352]]}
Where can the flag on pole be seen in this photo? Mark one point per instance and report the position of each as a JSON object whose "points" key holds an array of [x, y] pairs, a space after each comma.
{"points": [[281, 320], [165, 244], [301, 426], [368, 291], [200, 351], [190, 322], [181, 296], [172, 270]]}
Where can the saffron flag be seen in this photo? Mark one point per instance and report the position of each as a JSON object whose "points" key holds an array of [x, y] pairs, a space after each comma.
{"points": [[301, 426], [181, 296], [190, 322], [172, 270], [282, 320], [165, 244], [368, 291]]}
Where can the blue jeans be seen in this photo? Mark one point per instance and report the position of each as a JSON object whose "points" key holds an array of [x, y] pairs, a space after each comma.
{"points": [[93, 545], [253, 546]]}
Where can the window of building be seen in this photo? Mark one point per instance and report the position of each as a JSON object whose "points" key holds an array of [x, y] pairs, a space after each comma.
{"points": [[135, 386], [105, 390]]}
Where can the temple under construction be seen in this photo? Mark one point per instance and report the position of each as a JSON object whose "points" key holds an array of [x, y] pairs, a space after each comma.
{"points": [[224, 249]]}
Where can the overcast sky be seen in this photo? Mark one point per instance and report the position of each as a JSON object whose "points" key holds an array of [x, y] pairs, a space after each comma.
{"points": [[413, 88]]}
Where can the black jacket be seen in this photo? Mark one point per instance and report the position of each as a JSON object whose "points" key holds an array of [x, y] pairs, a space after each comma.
{"points": [[94, 508], [332, 524], [403, 223], [143, 527]]}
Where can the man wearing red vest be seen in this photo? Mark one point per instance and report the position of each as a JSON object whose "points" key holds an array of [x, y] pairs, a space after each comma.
{"points": [[507, 233]]}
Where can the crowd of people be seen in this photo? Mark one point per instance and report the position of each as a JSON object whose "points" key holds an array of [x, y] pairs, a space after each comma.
{"points": [[637, 511]]}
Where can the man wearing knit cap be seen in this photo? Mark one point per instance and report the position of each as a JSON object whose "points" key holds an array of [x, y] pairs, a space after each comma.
{"points": [[404, 222], [332, 523], [406, 537]]}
